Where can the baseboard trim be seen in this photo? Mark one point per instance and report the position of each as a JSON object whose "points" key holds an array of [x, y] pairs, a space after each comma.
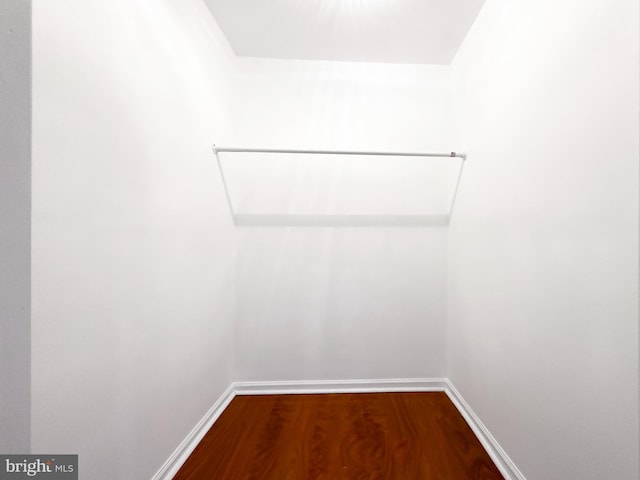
{"points": [[506, 466], [341, 386], [180, 455]]}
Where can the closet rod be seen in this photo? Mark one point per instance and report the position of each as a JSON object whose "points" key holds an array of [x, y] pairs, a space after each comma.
{"points": [[217, 150]]}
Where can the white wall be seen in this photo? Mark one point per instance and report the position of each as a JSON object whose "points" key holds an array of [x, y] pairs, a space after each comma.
{"points": [[340, 303], [336, 303], [321, 184], [543, 304], [342, 105], [15, 231], [132, 242]]}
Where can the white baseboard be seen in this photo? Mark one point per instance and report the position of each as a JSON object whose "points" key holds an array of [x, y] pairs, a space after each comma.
{"points": [[341, 386], [180, 455], [507, 468]]}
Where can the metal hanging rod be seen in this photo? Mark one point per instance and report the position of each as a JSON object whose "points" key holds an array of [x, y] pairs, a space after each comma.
{"points": [[217, 150]]}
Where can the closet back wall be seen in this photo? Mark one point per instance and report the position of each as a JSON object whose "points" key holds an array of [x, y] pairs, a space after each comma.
{"points": [[348, 302]]}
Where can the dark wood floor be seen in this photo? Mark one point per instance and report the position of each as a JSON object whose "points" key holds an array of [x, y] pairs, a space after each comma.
{"points": [[372, 436]]}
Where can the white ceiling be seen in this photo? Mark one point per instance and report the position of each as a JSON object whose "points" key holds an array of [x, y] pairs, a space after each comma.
{"points": [[389, 31]]}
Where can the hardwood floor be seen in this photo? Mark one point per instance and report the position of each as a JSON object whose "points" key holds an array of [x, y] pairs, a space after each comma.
{"points": [[372, 436]]}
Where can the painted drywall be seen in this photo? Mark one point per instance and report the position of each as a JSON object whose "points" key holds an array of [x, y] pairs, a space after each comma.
{"points": [[15, 224], [340, 303], [321, 184], [543, 277], [342, 105], [132, 242]]}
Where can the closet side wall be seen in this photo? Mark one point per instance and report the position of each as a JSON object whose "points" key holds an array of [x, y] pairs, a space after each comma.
{"points": [[353, 302], [543, 267], [132, 241], [15, 230]]}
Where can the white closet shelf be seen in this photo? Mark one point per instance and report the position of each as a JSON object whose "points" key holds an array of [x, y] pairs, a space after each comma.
{"points": [[337, 220]]}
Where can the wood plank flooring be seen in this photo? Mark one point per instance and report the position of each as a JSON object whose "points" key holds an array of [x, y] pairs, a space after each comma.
{"points": [[372, 436]]}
